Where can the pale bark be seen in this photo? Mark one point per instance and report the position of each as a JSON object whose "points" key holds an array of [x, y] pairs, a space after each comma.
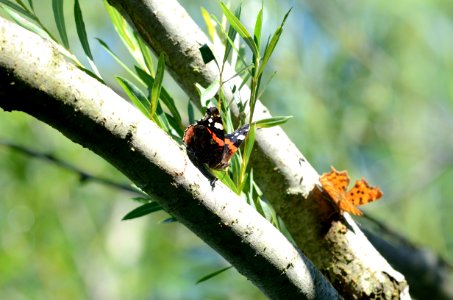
{"points": [[36, 79], [338, 249]]}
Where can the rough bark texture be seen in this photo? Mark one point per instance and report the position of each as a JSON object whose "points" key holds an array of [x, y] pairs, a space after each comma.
{"points": [[428, 274], [288, 181], [36, 79]]}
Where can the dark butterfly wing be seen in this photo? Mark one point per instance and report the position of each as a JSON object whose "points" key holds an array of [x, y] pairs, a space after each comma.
{"points": [[213, 121], [235, 139], [205, 139], [207, 142], [232, 143]]}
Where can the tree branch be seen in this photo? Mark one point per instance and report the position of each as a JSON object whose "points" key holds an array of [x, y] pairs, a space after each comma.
{"points": [[36, 79], [288, 181]]}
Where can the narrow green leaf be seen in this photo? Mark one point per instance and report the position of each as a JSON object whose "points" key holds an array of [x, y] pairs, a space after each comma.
{"points": [[258, 27], [27, 24], [213, 274], [143, 210], [128, 36], [231, 35], [235, 170], [142, 199], [146, 53], [119, 61], [18, 9], [175, 125], [14, 11], [272, 44], [208, 93], [190, 113], [263, 89], [83, 38], [157, 85], [161, 119], [80, 25], [135, 95], [271, 122], [248, 147], [121, 26], [249, 142], [238, 52], [58, 13], [164, 95], [240, 28], [255, 198], [30, 2], [226, 180]]}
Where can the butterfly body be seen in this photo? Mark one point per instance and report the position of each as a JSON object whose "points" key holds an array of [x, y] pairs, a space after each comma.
{"points": [[207, 142]]}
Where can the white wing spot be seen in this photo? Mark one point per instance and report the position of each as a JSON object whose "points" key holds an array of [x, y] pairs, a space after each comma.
{"points": [[218, 126]]}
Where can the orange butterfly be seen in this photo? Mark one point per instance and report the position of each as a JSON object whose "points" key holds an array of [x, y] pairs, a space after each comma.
{"points": [[335, 184]]}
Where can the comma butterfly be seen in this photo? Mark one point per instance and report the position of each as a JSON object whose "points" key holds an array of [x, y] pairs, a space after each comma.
{"points": [[335, 184]]}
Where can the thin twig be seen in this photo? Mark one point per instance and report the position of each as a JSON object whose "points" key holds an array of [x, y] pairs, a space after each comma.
{"points": [[84, 176]]}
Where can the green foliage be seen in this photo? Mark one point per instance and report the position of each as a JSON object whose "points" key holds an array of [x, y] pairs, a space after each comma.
{"points": [[364, 97], [144, 86], [274, 121], [213, 274], [143, 210], [149, 102], [57, 6], [83, 38]]}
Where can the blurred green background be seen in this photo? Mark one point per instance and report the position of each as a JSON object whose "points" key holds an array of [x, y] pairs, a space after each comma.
{"points": [[370, 86]]}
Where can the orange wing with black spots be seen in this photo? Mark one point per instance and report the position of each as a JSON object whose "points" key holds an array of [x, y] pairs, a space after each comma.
{"points": [[335, 184]]}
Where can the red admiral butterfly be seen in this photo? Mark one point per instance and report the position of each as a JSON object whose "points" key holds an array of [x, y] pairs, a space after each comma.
{"points": [[207, 143]]}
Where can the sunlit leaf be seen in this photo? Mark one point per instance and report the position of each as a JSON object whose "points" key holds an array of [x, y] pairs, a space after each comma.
{"points": [[240, 28], [135, 95], [147, 57], [127, 35], [208, 93], [231, 36], [272, 44], [258, 27], [119, 61], [157, 85], [142, 199], [209, 24], [165, 97], [249, 142], [121, 26], [18, 9], [13, 13], [271, 122], [226, 180]]}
